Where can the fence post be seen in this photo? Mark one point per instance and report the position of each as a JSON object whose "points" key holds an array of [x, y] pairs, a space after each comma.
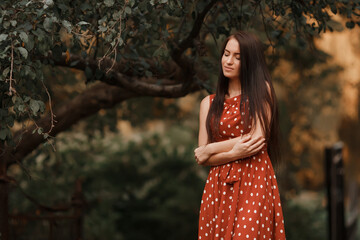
{"points": [[78, 201], [4, 196], [335, 188], [351, 223]]}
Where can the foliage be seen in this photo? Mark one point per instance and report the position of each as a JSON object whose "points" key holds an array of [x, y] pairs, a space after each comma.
{"points": [[141, 35], [137, 190], [134, 190], [305, 220]]}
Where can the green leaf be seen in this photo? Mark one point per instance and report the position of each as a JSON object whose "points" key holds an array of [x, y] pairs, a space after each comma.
{"points": [[24, 37], [48, 24], [121, 41], [82, 23], [109, 3], [3, 37], [34, 105], [85, 6], [23, 52], [21, 108], [67, 25], [160, 52], [116, 15], [6, 24], [27, 98], [30, 44], [102, 28], [6, 72], [39, 33], [49, 2], [128, 10], [13, 23], [3, 133]]}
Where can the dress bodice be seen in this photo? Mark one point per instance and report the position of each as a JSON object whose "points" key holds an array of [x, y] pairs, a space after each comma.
{"points": [[233, 118]]}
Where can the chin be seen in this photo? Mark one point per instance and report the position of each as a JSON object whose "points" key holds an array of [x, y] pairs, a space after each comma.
{"points": [[229, 76]]}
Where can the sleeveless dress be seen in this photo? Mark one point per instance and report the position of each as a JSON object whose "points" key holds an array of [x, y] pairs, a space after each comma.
{"points": [[240, 199]]}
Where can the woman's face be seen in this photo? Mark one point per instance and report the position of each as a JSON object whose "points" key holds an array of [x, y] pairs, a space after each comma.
{"points": [[230, 60]]}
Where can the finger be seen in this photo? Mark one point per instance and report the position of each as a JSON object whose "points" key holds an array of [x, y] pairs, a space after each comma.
{"points": [[259, 148], [246, 138], [255, 150], [256, 139], [256, 145]]}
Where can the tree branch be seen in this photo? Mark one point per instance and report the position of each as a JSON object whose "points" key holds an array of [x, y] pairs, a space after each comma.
{"points": [[178, 49], [89, 102], [144, 86], [188, 42]]}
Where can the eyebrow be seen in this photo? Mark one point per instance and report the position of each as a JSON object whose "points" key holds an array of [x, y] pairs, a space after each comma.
{"points": [[229, 51]]}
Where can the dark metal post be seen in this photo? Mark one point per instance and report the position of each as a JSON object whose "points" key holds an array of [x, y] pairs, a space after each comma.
{"points": [[4, 197], [335, 188], [78, 201], [352, 218]]}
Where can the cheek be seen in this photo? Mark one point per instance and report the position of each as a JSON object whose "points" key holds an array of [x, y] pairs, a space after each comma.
{"points": [[222, 61]]}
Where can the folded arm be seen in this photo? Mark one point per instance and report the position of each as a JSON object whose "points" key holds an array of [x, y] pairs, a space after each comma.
{"points": [[243, 147], [218, 153]]}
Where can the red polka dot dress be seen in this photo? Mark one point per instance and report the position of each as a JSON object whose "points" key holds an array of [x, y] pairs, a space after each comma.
{"points": [[240, 199]]}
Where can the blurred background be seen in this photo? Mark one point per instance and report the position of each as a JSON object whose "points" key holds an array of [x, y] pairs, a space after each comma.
{"points": [[118, 162]]}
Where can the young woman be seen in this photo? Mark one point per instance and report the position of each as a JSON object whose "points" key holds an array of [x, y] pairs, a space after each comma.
{"points": [[238, 135]]}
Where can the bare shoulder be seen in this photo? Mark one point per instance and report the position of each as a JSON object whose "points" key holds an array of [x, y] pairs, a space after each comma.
{"points": [[205, 104], [206, 100]]}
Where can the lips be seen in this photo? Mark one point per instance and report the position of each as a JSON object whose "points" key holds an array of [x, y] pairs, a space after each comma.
{"points": [[228, 68]]}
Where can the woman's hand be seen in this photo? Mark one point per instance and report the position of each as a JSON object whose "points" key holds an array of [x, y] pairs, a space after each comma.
{"points": [[202, 154], [248, 146]]}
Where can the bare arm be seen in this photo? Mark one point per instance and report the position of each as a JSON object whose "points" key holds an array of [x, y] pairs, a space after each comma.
{"points": [[243, 147], [205, 150], [230, 150], [216, 147]]}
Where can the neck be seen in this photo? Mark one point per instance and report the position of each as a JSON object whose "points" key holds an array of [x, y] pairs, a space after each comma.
{"points": [[234, 87]]}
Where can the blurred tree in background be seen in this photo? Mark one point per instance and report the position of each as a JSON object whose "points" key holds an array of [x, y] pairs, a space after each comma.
{"points": [[79, 67]]}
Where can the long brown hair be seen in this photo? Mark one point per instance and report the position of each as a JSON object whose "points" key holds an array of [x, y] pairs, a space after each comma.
{"points": [[254, 75]]}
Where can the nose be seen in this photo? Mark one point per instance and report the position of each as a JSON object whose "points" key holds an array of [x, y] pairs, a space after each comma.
{"points": [[229, 60]]}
